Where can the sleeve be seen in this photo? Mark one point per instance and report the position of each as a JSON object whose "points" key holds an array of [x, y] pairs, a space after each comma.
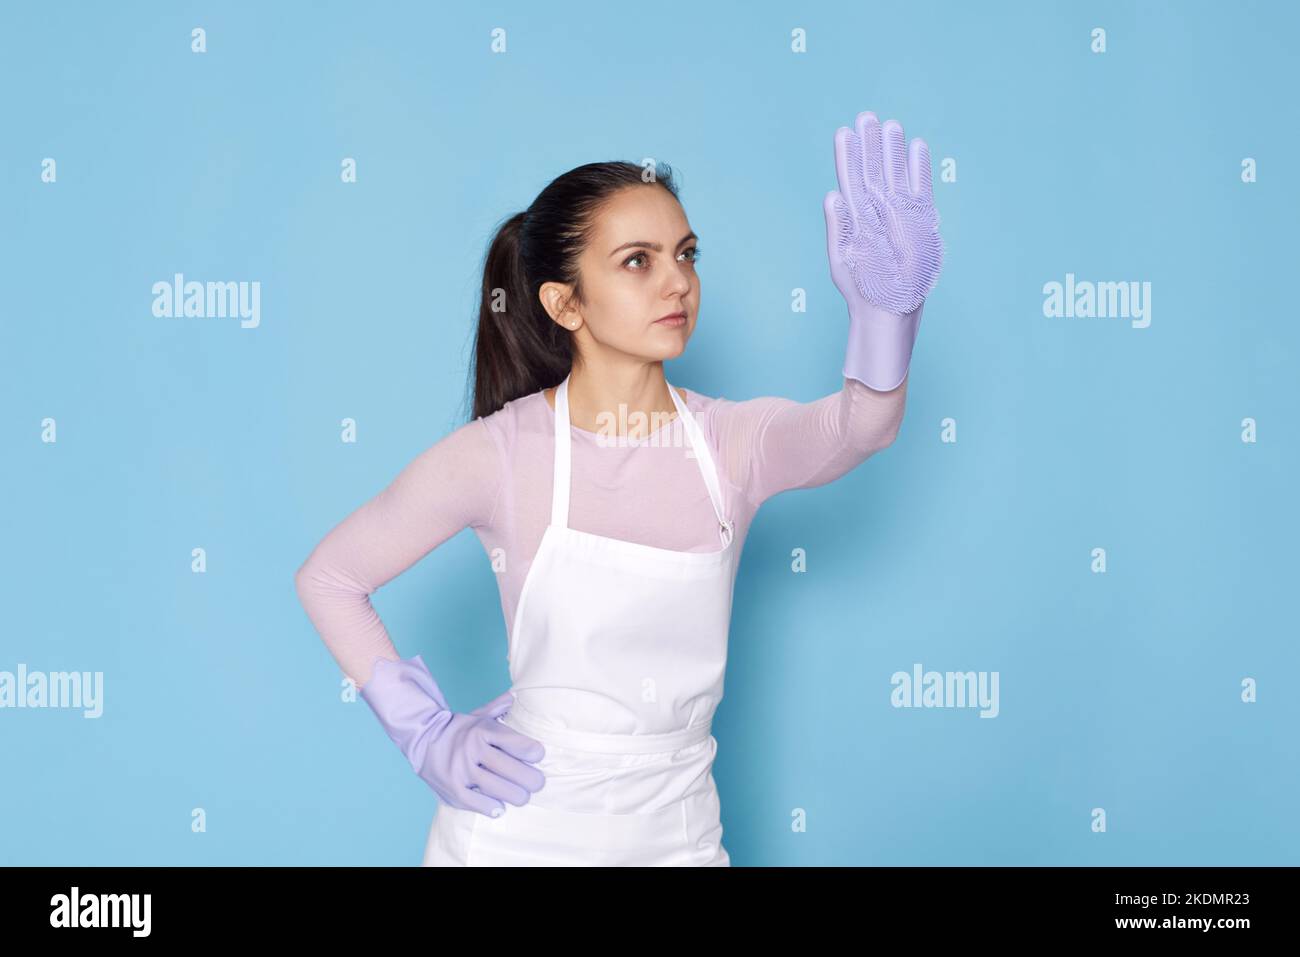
{"points": [[450, 486], [771, 444]]}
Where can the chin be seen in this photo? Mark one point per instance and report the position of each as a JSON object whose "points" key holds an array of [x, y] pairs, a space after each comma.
{"points": [[672, 352]]}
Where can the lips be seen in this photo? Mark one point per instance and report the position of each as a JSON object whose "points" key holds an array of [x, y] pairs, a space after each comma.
{"points": [[673, 315]]}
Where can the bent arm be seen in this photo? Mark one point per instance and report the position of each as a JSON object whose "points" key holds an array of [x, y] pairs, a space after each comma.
{"points": [[772, 444], [450, 486]]}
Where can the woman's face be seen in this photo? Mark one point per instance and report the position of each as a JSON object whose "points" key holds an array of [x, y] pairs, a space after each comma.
{"points": [[638, 268]]}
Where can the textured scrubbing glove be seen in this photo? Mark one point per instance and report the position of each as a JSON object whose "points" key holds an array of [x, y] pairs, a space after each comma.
{"points": [[882, 237], [472, 761]]}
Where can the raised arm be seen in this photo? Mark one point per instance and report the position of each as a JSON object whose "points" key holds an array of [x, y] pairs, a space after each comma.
{"points": [[450, 486], [882, 240], [771, 444]]}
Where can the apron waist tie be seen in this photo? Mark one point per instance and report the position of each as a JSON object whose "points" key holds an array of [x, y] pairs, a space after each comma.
{"points": [[629, 743]]}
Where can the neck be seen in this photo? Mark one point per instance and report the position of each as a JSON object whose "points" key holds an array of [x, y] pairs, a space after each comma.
{"points": [[636, 397]]}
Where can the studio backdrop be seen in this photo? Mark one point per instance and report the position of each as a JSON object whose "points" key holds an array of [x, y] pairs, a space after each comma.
{"points": [[1053, 623]]}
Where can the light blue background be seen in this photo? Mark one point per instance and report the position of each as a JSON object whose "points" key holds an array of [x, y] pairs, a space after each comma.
{"points": [[1119, 691]]}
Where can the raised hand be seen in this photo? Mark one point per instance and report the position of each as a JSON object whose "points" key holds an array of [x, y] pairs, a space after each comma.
{"points": [[882, 239]]}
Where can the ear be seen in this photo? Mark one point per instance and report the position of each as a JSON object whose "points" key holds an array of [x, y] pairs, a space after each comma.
{"points": [[555, 297]]}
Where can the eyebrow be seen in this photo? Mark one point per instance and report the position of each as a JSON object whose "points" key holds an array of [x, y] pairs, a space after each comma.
{"points": [[657, 247]]}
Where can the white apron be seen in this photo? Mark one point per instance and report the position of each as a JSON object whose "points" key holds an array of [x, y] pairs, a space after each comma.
{"points": [[617, 657]]}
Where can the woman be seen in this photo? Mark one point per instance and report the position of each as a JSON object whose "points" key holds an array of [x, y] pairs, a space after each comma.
{"points": [[619, 506]]}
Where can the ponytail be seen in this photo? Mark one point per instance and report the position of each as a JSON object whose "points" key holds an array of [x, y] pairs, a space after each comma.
{"points": [[518, 349]]}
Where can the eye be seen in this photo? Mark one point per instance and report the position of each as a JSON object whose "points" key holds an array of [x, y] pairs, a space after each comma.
{"points": [[695, 253], [634, 256]]}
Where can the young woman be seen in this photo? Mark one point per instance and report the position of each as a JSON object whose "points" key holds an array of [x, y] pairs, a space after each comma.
{"points": [[614, 507]]}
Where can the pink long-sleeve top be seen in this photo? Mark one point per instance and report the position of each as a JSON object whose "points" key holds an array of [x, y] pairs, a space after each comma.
{"points": [[494, 475]]}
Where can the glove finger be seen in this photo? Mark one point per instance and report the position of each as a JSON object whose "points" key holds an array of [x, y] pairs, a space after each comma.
{"points": [[511, 769], [470, 799], [872, 158], [848, 167], [513, 742], [918, 175], [895, 143], [495, 786]]}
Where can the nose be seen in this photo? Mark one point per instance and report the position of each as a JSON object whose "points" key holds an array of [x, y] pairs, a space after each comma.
{"points": [[678, 282]]}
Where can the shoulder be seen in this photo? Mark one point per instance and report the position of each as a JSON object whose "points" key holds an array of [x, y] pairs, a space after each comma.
{"points": [[519, 421], [709, 411], [696, 399], [702, 401]]}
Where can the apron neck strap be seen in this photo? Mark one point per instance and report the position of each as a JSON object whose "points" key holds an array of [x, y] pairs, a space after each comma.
{"points": [[563, 440], [564, 460]]}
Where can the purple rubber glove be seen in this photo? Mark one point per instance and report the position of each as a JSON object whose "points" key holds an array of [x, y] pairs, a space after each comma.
{"points": [[472, 761], [882, 236]]}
